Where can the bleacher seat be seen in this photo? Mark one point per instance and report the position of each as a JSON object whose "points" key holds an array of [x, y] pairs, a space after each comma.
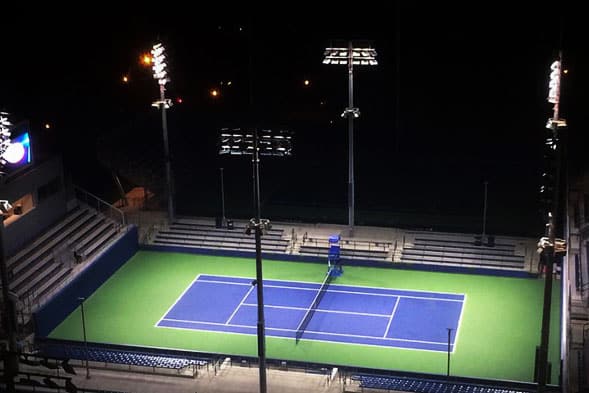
{"points": [[461, 249], [406, 384], [201, 235], [134, 358], [47, 261], [358, 250]]}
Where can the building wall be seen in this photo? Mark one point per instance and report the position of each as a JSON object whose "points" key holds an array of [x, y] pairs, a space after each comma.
{"points": [[45, 182]]}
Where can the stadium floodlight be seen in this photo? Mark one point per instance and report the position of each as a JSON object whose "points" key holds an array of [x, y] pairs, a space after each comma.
{"points": [[4, 136], [160, 66], [235, 142], [350, 56], [551, 246], [160, 72]]}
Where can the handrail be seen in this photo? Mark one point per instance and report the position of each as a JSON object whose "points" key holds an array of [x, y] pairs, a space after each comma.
{"points": [[100, 205]]}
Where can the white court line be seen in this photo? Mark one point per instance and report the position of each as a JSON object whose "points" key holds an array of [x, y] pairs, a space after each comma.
{"points": [[239, 305], [397, 295], [306, 339], [391, 318], [458, 325], [344, 291], [330, 290], [227, 282], [322, 310], [337, 285], [306, 331], [178, 299]]}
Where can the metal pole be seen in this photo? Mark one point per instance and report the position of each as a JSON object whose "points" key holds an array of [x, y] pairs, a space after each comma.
{"points": [[84, 334], [449, 350], [543, 377], [11, 365], [545, 335], [259, 282], [167, 154], [351, 140], [485, 211], [222, 199]]}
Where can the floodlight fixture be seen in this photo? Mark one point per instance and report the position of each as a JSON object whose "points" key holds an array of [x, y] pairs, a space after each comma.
{"points": [[556, 123], [236, 142], [159, 64], [4, 136], [355, 112], [350, 55], [353, 55], [167, 103], [265, 225]]}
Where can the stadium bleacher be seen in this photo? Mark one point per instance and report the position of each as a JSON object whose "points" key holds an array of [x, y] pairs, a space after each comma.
{"points": [[186, 233], [39, 268], [117, 356], [40, 382], [409, 247], [462, 249], [427, 386], [345, 252]]}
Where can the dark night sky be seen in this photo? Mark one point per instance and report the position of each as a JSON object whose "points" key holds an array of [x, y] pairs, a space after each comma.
{"points": [[458, 98]]}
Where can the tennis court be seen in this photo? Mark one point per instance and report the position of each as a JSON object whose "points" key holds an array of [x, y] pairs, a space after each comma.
{"points": [[207, 304], [348, 314]]}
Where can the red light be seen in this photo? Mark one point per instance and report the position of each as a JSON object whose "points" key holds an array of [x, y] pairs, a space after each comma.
{"points": [[179, 100]]}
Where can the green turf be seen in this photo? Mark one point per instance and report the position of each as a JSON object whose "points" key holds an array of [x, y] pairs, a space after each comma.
{"points": [[499, 331]]}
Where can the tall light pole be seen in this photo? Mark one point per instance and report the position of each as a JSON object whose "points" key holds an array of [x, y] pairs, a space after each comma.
{"points": [[549, 248], [81, 299], [449, 351], [485, 212], [223, 219], [233, 142], [160, 72], [9, 320], [350, 56]]}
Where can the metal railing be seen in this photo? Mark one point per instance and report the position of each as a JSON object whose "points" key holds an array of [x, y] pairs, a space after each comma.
{"points": [[100, 205], [148, 223]]}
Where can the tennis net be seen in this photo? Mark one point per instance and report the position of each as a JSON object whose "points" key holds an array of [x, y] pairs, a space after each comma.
{"points": [[311, 310]]}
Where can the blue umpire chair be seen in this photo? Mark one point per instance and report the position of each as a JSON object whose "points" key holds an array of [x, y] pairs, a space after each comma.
{"points": [[333, 256]]}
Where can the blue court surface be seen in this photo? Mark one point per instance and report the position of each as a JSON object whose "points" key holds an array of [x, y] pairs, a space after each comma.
{"points": [[346, 314]]}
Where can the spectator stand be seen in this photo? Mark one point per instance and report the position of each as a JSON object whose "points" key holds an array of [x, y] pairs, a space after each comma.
{"points": [[466, 250], [195, 233], [135, 360], [392, 383]]}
